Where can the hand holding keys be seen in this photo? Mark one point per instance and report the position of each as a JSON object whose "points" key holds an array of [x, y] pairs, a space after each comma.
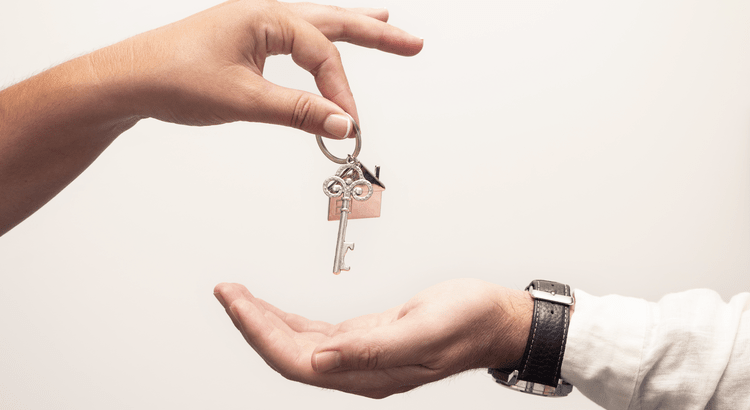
{"points": [[349, 182]]}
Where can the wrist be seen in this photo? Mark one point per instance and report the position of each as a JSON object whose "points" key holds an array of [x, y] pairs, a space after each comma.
{"points": [[513, 313], [114, 80]]}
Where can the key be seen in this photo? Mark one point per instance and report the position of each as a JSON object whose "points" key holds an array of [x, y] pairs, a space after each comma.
{"points": [[348, 183]]}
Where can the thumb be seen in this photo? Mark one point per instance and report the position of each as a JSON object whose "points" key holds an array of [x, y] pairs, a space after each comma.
{"points": [[301, 110], [395, 345]]}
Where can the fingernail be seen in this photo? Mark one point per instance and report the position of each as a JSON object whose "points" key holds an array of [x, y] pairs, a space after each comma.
{"points": [[338, 125], [326, 361]]}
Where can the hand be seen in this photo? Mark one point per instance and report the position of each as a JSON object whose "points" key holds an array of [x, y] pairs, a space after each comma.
{"points": [[451, 327], [208, 69]]}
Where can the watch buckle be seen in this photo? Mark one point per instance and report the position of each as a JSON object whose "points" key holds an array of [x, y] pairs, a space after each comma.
{"points": [[510, 379], [551, 297]]}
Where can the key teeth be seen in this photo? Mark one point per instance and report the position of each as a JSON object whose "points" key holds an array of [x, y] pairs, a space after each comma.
{"points": [[348, 246], [342, 266], [341, 269]]}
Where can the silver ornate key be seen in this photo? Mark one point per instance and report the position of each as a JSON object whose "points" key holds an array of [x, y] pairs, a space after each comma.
{"points": [[348, 185]]}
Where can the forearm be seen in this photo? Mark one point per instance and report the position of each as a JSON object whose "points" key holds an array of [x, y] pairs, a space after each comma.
{"points": [[53, 125]]}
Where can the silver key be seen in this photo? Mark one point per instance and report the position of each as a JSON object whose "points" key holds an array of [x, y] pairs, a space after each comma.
{"points": [[348, 183]]}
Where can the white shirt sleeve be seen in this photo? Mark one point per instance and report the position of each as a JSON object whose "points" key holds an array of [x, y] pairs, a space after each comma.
{"points": [[688, 351]]}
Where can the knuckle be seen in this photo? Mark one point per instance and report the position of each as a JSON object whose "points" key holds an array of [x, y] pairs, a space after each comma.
{"points": [[334, 55], [237, 305], [302, 115], [337, 9], [330, 62], [368, 357]]}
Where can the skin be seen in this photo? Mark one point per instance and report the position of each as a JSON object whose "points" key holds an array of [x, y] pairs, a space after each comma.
{"points": [[206, 69], [451, 327]]}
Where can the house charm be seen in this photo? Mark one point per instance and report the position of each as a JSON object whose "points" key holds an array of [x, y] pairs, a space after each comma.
{"points": [[360, 209]]}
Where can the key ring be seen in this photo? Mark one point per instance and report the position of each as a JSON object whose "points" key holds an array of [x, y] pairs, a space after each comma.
{"points": [[336, 159]]}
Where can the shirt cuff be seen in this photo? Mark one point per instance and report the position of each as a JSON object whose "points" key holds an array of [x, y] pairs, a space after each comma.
{"points": [[604, 347]]}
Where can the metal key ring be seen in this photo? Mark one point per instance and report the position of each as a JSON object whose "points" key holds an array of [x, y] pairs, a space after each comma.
{"points": [[336, 159]]}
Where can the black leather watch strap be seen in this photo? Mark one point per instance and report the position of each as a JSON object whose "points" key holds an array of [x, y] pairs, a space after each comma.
{"points": [[545, 347]]}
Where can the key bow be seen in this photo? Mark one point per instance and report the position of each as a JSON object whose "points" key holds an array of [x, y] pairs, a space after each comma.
{"points": [[344, 184]]}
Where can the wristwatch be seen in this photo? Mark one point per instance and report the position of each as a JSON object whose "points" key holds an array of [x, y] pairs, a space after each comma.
{"points": [[539, 371]]}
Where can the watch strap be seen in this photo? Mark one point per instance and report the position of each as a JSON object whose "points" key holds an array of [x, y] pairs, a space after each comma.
{"points": [[545, 347]]}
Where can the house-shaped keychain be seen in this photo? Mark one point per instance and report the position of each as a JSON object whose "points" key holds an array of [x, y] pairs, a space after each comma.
{"points": [[360, 209]]}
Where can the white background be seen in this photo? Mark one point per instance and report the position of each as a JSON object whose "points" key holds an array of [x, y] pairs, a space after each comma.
{"points": [[602, 144]]}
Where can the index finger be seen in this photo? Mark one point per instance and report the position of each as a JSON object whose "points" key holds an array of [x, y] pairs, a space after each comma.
{"points": [[364, 27]]}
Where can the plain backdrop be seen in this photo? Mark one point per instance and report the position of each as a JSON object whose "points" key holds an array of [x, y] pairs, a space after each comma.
{"points": [[601, 144]]}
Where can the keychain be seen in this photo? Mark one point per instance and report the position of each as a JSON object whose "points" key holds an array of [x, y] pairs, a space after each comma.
{"points": [[353, 192]]}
